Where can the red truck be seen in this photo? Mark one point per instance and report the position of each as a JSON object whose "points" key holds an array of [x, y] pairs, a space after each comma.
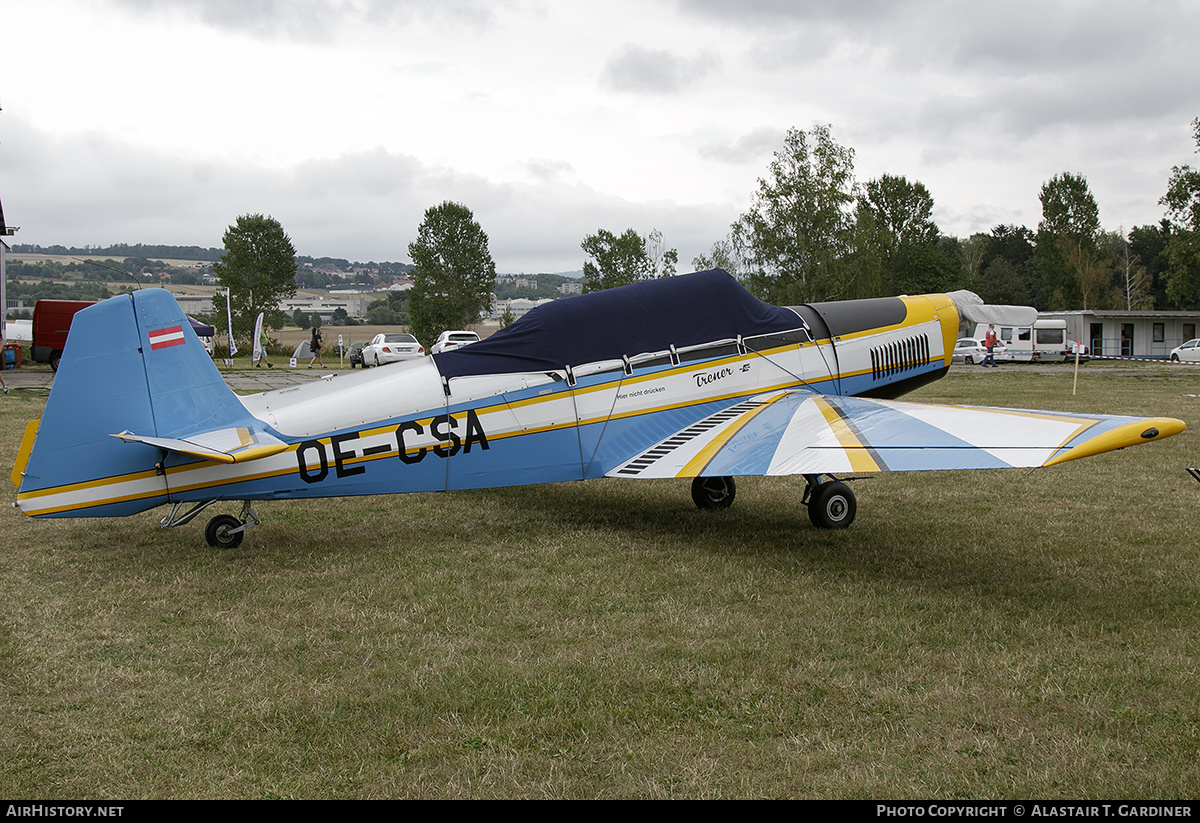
{"points": [[51, 322]]}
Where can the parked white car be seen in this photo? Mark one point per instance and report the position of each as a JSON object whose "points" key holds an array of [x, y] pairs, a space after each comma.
{"points": [[1189, 352], [450, 340], [971, 351], [390, 347]]}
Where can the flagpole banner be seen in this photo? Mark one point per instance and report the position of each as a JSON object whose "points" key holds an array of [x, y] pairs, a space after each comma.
{"points": [[257, 353], [229, 322]]}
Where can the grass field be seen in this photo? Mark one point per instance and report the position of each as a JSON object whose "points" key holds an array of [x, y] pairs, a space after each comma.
{"points": [[973, 635]]}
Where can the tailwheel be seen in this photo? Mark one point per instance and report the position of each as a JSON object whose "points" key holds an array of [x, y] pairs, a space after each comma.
{"points": [[831, 505], [224, 532], [713, 492]]}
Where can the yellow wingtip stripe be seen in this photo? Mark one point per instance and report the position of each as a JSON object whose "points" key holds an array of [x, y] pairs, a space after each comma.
{"points": [[1130, 434]]}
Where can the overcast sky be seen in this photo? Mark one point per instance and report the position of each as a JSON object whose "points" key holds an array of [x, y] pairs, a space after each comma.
{"points": [[160, 121]]}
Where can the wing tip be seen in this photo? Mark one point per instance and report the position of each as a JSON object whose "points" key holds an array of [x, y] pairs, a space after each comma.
{"points": [[1144, 430]]}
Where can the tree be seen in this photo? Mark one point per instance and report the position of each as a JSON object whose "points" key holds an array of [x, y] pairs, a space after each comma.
{"points": [[1133, 278], [799, 234], [662, 260], [903, 212], [453, 271], [1068, 254], [259, 269], [1009, 274], [722, 255], [1183, 248], [907, 238], [619, 261], [1149, 245]]}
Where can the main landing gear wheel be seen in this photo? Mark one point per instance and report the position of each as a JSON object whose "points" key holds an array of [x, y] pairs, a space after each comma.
{"points": [[832, 505], [224, 532], [713, 492]]}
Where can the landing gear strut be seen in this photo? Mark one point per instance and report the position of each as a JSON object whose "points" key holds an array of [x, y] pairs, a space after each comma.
{"points": [[831, 505], [223, 532]]}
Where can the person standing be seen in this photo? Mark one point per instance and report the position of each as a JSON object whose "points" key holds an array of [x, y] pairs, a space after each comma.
{"points": [[264, 340], [989, 342], [315, 345]]}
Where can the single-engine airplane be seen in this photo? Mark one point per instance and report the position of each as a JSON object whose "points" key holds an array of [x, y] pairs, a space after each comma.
{"points": [[688, 377]]}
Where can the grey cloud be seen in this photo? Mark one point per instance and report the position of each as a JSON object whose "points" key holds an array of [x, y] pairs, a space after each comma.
{"points": [[755, 146], [361, 206], [654, 71], [312, 20]]}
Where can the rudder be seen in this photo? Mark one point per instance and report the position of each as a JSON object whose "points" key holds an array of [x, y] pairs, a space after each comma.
{"points": [[131, 364]]}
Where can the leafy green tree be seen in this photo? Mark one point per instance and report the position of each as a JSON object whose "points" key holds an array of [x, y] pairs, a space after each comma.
{"points": [[970, 253], [662, 260], [799, 237], [300, 319], [1148, 244], [722, 255], [380, 314], [615, 261], [1068, 254], [453, 272], [1133, 278], [1005, 286], [259, 269], [903, 212], [1183, 248], [906, 237], [619, 261], [1013, 244]]}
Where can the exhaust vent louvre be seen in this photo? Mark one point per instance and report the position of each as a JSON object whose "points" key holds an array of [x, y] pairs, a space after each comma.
{"points": [[899, 356]]}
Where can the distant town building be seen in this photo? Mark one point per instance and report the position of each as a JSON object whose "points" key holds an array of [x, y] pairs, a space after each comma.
{"points": [[194, 304], [517, 307], [520, 282]]}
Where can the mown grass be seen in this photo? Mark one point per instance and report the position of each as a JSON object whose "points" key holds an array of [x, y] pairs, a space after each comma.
{"points": [[974, 634]]}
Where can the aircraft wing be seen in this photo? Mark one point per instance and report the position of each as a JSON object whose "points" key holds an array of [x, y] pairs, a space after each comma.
{"points": [[236, 444], [793, 432]]}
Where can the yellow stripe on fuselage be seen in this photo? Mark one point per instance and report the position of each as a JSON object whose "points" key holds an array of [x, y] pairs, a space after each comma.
{"points": [[176, 476]]}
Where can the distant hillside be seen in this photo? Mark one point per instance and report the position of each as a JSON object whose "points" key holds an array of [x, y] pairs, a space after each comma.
{"points": [[123, 250]]}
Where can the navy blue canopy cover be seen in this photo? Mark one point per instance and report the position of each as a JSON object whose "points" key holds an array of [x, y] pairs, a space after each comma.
{"points": [[650, 316]]}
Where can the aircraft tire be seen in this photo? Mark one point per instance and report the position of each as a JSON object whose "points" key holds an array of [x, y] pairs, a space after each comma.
{"points": [[218, 532], [713, 492], [832, 506]]}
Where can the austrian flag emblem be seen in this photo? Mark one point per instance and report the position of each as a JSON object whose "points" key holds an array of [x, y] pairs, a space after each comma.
{"points": [[165, 338]]}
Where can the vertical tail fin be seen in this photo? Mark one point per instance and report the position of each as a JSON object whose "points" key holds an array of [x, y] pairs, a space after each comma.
{"points": [[131, 363]]}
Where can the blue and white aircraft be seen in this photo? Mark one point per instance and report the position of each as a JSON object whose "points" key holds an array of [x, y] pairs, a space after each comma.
{"points": [[688, 377]]}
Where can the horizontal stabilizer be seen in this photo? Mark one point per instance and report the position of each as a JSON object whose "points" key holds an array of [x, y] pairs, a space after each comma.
{"points": [[790, 433], [239, 444]]}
